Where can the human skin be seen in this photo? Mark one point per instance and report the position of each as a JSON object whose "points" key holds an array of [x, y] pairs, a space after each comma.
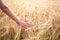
{"points": [[11, 14]]}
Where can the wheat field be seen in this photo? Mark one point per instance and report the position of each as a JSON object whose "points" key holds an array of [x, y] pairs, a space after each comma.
{"points": [[44, 15]]}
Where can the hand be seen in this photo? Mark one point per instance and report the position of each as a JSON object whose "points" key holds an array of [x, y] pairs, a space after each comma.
{"points": [[25, 24]]}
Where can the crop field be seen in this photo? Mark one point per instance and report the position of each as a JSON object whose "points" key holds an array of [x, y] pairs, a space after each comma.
{"points": [[44, 16]]}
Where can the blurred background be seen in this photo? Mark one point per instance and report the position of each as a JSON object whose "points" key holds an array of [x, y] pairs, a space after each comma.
{"points": [[44, 15]]}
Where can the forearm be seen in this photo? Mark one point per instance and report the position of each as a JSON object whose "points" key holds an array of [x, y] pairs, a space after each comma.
{"points": [[9, 12], [11, 15]]}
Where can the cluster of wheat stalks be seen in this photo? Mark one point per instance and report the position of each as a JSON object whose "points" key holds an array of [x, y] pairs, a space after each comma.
{"points": [[44, 15]]}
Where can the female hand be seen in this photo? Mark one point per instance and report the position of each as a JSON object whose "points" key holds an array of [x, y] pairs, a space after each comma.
{"points": [[12, 15]]}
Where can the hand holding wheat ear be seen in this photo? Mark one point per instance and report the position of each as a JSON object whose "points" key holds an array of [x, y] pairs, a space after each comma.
{"points": [[10, 13]]}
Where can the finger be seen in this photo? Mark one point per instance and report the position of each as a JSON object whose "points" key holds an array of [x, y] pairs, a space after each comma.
{"points": [[25, 24]]}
